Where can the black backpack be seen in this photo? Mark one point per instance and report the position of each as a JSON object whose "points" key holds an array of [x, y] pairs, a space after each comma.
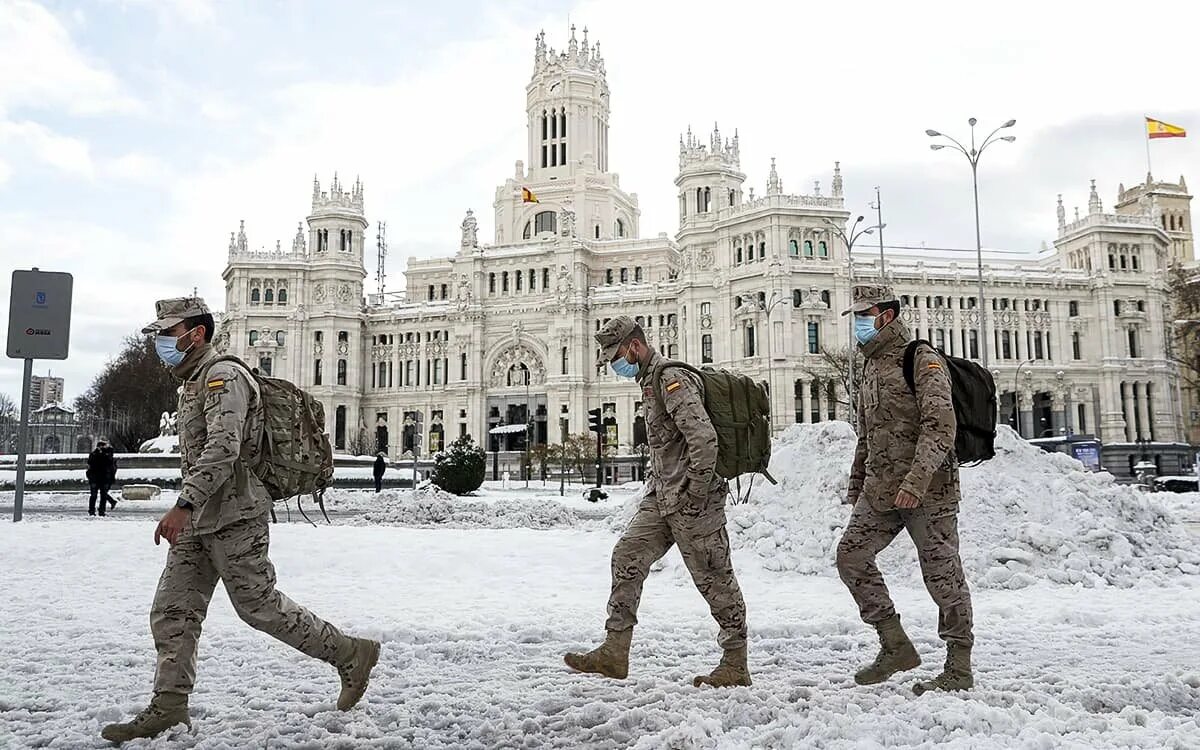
{"points": [[974, 394]]}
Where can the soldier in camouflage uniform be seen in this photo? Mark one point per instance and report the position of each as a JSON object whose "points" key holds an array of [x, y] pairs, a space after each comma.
{"points": [[219, 531], [683, 504], [905, 476]]}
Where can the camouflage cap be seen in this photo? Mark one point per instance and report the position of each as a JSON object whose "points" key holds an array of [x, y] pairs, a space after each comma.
{"points": [[173, 311], [612, 335], [866, 296]]}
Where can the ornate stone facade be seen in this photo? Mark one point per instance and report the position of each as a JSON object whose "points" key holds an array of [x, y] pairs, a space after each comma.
{"points": [[492, 332]]}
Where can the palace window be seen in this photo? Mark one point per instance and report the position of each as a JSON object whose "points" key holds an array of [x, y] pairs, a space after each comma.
{"points": [[545, 221]]}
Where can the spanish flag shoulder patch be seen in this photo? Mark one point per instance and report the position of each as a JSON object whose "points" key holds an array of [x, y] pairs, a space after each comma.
{"points": [[673, 386], [933, 366], [216, 384]]}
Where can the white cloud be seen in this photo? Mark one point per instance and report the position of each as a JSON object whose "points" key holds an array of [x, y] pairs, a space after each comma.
{"points": [[70, 155], [44, 69], [139, 168]]}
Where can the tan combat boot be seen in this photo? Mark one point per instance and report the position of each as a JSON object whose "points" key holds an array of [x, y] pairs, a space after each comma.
{"points": [[731, 672], [356, 672], [165, 711], [610, 658], [956, 675], [896, 654]]}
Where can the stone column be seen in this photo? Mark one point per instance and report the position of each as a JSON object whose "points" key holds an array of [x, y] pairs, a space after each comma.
{"points": [[1111, 428], [1141, 394], [1025, 413]]}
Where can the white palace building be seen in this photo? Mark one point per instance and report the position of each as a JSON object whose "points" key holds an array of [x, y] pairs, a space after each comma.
{"points": [[492, 332]]}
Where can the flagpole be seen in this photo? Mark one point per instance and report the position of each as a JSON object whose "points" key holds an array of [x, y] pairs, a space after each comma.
{"points": [[1146, 129]]}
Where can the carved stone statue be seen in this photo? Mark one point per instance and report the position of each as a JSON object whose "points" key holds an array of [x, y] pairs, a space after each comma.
{"points": [[470, 230]]}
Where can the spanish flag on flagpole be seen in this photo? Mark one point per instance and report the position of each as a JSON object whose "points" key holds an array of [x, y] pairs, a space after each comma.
{"points": [[1160, 129], [527, 196]]}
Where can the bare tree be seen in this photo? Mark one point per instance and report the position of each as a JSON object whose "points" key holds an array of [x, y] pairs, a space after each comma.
{"points": [[835, 364], [135, 386], [1183, 347], [8, 408], [359, 444]]}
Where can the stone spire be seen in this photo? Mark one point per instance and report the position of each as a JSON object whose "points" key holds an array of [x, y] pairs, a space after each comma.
{"points": [[837, 179], [774, 186], [241, 236], [316, 187], [817, 188], [298, 244], [1062, 215], [1094, 206]]}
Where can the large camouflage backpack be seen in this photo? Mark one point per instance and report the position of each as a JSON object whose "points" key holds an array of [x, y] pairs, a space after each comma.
{"points": [[295, 456], [973, 391], [740, 411]]}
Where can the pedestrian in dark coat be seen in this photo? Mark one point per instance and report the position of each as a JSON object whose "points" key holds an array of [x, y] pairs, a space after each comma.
{"points": [[380, 467], [101, 473]]}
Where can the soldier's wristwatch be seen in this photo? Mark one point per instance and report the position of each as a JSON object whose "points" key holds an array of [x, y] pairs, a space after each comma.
{"points": [[181, 503]]}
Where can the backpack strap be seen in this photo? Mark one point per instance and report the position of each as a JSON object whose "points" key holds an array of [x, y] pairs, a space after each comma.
{"points": [[203, 373], [910, 356], [676, 364]]}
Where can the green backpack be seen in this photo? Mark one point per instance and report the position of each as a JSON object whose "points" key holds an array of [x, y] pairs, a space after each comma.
{"points": [[295, 456], [740, 411]]}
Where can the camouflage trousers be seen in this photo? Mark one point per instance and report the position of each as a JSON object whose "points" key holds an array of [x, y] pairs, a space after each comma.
{"points": [[237, 555], [934, 531], [699, 530]]}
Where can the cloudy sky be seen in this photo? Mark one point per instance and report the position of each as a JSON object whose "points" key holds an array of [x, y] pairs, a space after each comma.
{"points": [[134, 134]]}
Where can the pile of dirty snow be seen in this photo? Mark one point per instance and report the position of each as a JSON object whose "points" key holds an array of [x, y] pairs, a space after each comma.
{"points": [[1026, 516], [431, 506]]}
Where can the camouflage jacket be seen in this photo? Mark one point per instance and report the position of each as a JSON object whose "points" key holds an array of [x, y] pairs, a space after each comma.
{"points": [[905, 441], [220, 422], [683, 443]]}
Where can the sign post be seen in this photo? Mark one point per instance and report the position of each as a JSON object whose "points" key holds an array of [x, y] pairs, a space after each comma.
{"points": [[39, 327]]}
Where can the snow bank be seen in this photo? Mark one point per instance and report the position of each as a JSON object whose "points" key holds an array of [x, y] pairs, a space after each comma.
{"points": [[161, 444], [1026, 515], [430, 506]]}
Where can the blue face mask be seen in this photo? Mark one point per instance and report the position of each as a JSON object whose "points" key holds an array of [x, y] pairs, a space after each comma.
{"points": [[166, 348], [864, 328], [625, 369]]}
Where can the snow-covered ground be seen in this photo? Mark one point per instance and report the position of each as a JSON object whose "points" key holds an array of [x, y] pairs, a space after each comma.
{"points": [[1085, 596], [474, 624]]}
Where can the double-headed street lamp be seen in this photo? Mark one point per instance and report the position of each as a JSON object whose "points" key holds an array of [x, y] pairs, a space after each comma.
{"points": [[766, 307], [849, 241], [973, 155]]}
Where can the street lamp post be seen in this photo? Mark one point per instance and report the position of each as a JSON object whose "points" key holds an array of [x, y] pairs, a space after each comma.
{"points": [[528, 426], [973, 155], [1017, 395], [877, 204], [849, 241], [766, 309]]}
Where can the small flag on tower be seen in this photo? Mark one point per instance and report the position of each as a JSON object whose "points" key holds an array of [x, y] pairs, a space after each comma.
{"points": [[1160, 129], [527, 196]]}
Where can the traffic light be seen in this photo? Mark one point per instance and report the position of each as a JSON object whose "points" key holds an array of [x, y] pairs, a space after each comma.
{"points": [[595, 422]]}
